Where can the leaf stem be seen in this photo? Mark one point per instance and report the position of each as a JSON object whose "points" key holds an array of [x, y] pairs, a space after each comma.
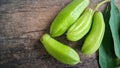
{"points": [[101, 3]]}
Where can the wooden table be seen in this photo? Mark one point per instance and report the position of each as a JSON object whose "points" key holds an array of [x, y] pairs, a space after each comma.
{"points": [[22, 22]]}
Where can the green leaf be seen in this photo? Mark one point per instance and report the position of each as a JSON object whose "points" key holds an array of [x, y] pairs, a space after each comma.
{"points": [[107, 57], [115, 27]]}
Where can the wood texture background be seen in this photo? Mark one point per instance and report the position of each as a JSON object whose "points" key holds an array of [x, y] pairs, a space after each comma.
{"points": [[22, 23]]}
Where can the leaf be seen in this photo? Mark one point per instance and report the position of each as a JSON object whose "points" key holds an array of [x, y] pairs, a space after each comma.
{"points": [[115, 27], [118, 67], [107, 57]]}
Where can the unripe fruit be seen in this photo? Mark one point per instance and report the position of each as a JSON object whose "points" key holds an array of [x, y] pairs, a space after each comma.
{"points": [[81, 27], [59, 51], [95, 37], [67, 17]]}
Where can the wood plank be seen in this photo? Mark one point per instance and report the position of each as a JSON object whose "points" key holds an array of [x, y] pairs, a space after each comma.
{"points": [[22, 23]]}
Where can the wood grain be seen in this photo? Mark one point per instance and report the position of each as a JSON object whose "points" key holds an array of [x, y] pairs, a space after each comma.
{"points": [[22, 23]]}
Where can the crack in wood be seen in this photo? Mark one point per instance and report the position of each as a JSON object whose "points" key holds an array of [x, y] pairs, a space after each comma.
{"points": [[18, 37], [34, 31]]}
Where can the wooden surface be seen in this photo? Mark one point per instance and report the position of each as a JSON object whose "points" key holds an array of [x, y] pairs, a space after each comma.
{"points": [[22, 22]]}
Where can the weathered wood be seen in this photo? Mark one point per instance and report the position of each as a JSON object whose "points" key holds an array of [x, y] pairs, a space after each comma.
{"points": [[22, 22]]}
